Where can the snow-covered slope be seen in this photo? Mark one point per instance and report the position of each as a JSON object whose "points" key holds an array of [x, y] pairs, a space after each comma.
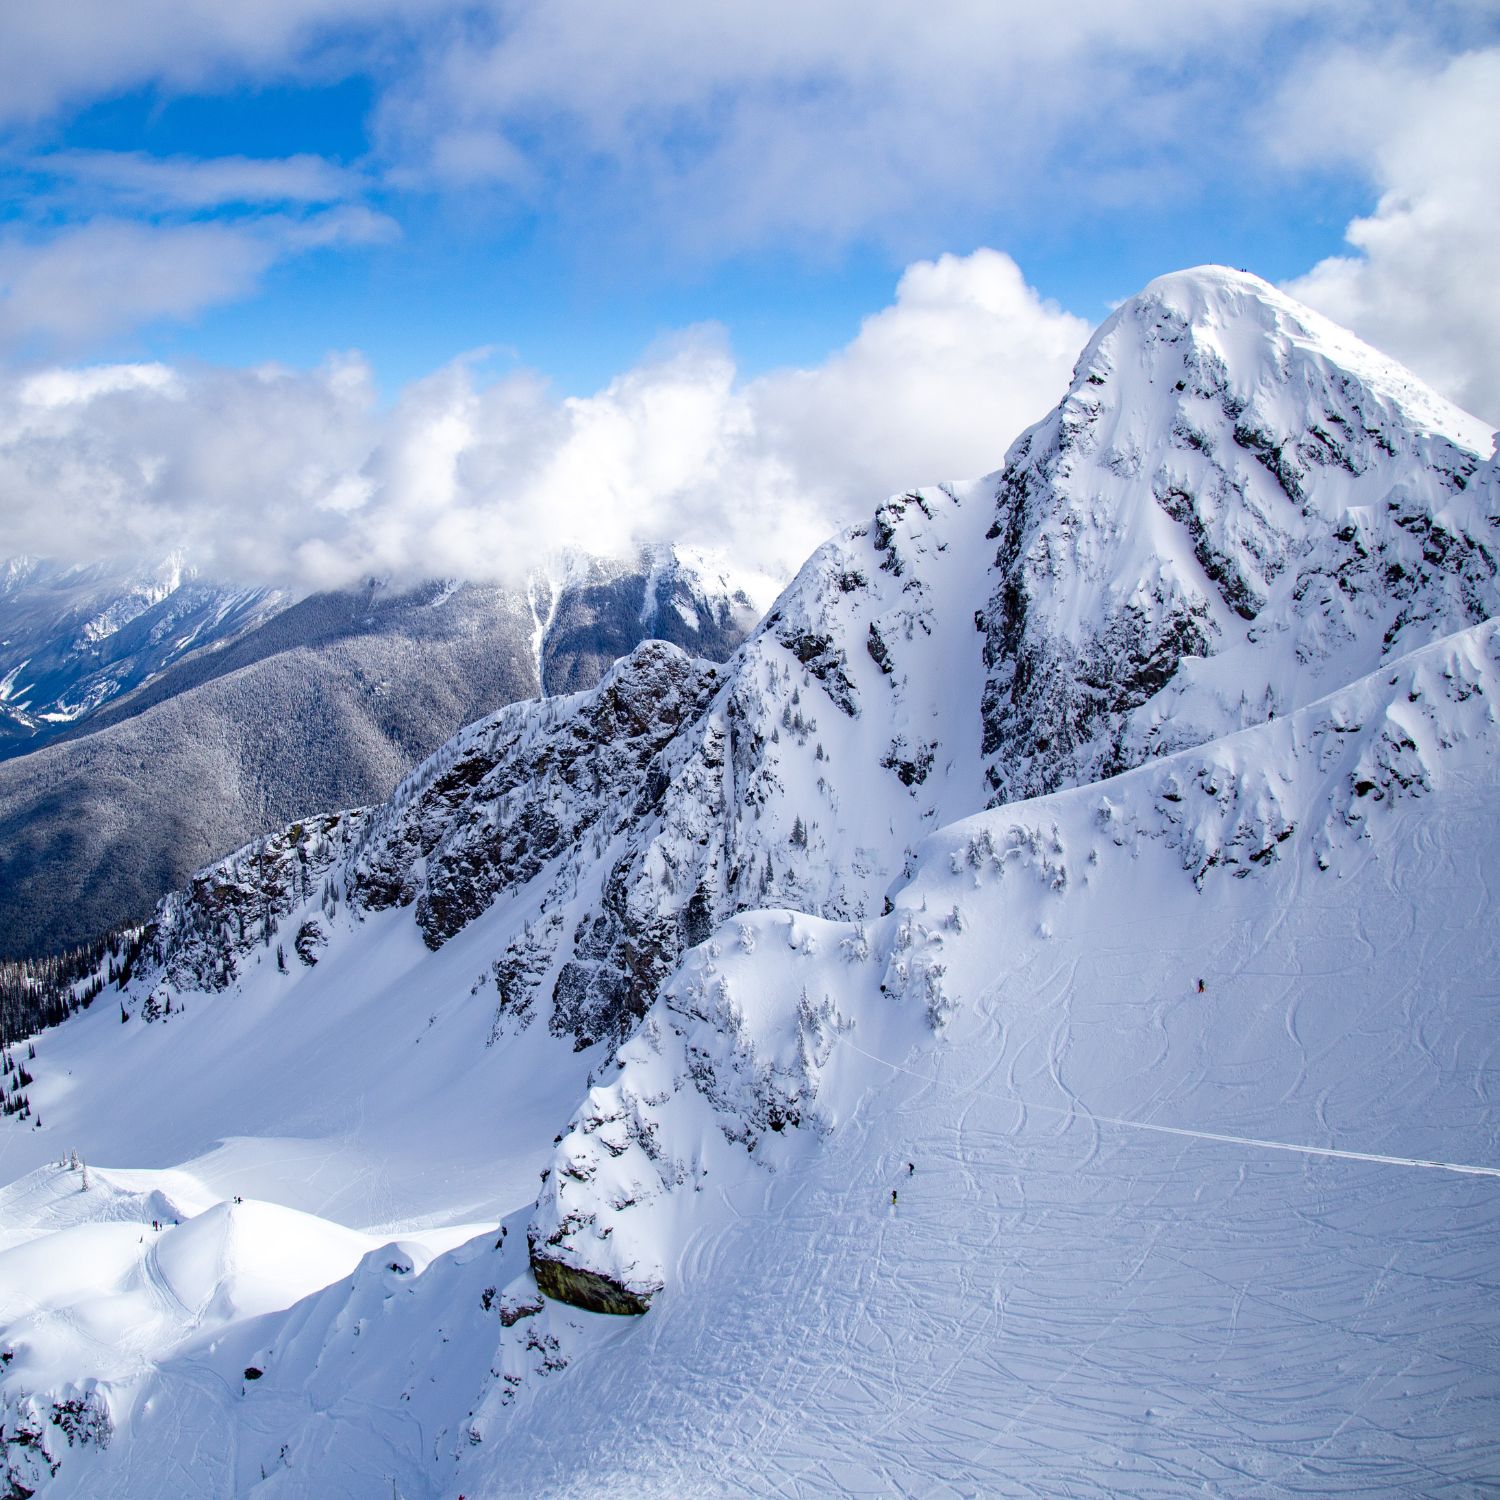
{"points": [[752, 998], [1116, 1266]]}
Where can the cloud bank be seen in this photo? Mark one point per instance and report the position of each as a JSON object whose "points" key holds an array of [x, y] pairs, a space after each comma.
{"points": [[653, 129], [54, 56], [735, 125], [705, 132], [302, 478]]}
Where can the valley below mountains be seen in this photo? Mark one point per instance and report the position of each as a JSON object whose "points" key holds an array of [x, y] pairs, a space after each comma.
{"points": [[1021, 1021]]}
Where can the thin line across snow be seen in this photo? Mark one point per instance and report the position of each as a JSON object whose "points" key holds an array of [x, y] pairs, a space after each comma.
{"points": [[1462, 1168]]}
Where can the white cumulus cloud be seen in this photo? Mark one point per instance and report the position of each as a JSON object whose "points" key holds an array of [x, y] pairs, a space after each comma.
{"points": [[304, 478]]}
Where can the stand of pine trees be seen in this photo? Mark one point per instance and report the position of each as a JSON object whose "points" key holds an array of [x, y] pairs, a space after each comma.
{"points": [[36, 993]]}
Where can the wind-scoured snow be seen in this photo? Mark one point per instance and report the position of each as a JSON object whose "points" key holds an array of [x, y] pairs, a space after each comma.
{"points": [[1233, 510], [1022, 1026]]}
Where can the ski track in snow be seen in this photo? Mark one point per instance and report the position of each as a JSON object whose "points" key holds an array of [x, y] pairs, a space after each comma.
{"points": [[1202, 1135]]}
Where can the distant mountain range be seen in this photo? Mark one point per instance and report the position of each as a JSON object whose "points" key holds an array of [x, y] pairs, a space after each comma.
{"points": [[75, 640], [154, 721]]}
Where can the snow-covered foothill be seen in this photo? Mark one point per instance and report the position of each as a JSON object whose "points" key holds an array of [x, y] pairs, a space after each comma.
{"points": [[738, 1044]]}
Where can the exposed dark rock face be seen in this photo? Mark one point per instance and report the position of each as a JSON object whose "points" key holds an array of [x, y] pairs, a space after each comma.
{"points": [[825, 659], [592, 1000], [596, 770], [585, 1289], [526, 794], [911, 763], [310, 942], [198, 936], [36, 1433]]}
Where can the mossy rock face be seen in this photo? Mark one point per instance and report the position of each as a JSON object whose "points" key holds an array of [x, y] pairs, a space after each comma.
{"points": [[587, 1289]]}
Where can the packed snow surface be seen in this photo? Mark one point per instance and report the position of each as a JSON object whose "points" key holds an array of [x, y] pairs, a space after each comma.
{"points": [[1024, 1026]]}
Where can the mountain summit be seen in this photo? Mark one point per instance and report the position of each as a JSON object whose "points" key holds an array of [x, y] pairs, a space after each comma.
{"points": [[1234, 484]]}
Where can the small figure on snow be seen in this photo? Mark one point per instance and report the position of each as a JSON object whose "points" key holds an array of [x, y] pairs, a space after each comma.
{"points": [[893, 1197], [911, 1167], [1200, 986]]}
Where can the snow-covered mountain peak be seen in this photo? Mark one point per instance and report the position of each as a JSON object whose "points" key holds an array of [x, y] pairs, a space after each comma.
{"points": [[1228, 479], [1142, 579], [1238, 317]]}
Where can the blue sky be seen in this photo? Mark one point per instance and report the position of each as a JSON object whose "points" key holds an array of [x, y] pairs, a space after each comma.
{"points": [[476, 266], [565, 198]]}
